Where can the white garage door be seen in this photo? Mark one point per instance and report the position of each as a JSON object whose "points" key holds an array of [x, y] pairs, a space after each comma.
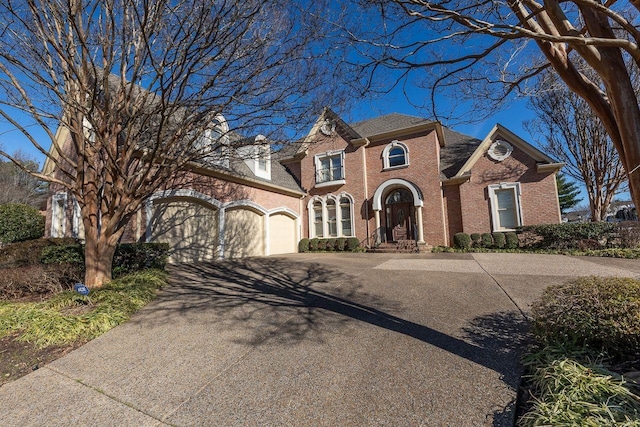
{"points": [[243, 233], [190, 228], [282, 234]]}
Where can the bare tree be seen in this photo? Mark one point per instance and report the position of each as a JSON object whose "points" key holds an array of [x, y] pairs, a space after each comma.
{"points": [[576, 136], [18, 186], [139, 85], [469, 45]]}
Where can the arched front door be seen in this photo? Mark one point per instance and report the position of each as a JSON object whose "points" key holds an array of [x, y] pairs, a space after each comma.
{"points": [[400, 215]]}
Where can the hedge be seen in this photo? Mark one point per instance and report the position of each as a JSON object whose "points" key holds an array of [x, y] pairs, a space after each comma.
{"points": [[486, 240], [570, 235], [19, 223], [499, 240]]}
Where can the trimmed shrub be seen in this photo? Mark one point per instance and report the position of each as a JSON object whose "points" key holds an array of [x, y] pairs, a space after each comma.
{"points": [[353, 244], [313, 244], [486, 240], [499, 240], [511, 240], [19, 223], [330, 245], [462, 241], [28, 252], [63, 254], [602, 313], [568, 235], [303, 245], [132, 257], [322, 245], [475, 239], [341, 244]]}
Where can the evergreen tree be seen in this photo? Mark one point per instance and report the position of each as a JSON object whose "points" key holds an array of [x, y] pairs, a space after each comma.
{"points": [[567, 192]]}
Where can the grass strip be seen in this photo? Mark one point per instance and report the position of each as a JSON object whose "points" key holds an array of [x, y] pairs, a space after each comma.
{"points": [[55, 322]]}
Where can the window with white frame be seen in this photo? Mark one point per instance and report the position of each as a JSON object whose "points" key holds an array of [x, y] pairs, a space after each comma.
{"points": [[345, 216], [58, 214], [506, 212], [395, 155], [318, 223], [330, 168], [331, 216], [78, 225], [332, 225]]}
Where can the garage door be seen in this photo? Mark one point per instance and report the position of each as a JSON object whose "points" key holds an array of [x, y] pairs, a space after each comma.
{"points": [[243, 233], [190, 228], [282, 234]]}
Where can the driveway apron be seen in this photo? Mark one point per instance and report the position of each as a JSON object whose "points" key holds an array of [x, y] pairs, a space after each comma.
{"points": [[309, 339]]}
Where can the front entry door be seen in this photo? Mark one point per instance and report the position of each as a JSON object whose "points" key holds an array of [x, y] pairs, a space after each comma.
{"points": [[399, 222]]}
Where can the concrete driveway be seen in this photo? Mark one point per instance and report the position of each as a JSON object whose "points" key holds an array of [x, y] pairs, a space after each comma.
{"points": [[310, 339]]}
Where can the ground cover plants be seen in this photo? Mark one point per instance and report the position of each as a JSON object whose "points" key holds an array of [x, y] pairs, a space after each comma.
{"points": [[42, 317], [585, 365]]}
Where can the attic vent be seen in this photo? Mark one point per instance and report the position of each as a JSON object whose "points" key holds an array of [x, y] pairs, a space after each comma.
{"points": [[500, 150]]}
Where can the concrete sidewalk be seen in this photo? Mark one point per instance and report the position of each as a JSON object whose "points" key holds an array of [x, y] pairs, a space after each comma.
{"points": [[310, 339]]}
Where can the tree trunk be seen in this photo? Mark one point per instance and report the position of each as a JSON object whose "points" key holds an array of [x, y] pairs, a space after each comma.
{"points": [[98, 255]]}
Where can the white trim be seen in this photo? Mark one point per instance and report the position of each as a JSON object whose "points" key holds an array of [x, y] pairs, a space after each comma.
{"points": [[491, 152], [245, 204], [283, 210], [493, 201], [77, 229], [395, 182], [385, 155], [333, 180], [56, 213], [181, 194], [325, 216]]}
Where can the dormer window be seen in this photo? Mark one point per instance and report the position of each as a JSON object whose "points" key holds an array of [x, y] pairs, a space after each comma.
{"points": [[257, 156], [214, 142], [395, 155]]}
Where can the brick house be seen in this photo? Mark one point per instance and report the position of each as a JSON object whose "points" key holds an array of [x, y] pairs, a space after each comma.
{"points": [[398, 177], [391, 178]]}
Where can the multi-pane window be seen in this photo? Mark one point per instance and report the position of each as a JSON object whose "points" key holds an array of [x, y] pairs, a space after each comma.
{"points": [[395, 155], [329, 168], [505, 206], [331, 218], [318, 224], [345, 215]]}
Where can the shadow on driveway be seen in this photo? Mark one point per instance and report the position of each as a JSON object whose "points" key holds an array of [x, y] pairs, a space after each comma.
{"points": [[294, 298]]}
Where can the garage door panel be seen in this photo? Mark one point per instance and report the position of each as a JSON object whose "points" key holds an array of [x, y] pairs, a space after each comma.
{"points": [[282, 234], [243, 233], [190, 229]]}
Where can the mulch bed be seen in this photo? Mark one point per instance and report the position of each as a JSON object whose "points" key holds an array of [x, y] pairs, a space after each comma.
{"points": [[18, 358]]}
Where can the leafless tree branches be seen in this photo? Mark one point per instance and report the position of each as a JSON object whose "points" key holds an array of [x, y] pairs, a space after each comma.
{"points": [[484, 50], [138, 83]]}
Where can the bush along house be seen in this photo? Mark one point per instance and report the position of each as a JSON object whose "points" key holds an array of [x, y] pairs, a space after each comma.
{"points": [[398, 178], [394, 178]]}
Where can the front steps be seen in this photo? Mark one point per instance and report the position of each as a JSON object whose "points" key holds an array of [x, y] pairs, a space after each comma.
{"points": [[401, 246]]}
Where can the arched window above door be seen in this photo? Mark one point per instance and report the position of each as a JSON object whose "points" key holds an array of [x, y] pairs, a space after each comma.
{"points": [[395, 155]]}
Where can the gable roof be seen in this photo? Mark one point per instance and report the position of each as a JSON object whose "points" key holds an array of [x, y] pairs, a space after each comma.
{"points": [[544, 162]]}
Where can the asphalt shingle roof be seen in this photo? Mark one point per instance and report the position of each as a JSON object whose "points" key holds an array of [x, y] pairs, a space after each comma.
{"points": [[387, 123]]}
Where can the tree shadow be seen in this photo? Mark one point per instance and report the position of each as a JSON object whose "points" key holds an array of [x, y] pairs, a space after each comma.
{"points": [[281, 302], [506, 334]]}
